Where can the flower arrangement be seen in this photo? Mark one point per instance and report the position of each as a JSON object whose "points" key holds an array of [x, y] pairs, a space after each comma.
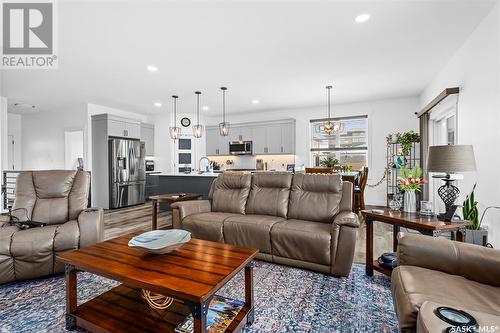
{"points": [[411, 179]]}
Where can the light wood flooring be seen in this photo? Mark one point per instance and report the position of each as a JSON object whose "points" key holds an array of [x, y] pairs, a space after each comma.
{"points": [[122, 221]]}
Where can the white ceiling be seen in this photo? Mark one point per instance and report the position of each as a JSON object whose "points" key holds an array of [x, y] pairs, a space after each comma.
{"points": [[282, 53]]}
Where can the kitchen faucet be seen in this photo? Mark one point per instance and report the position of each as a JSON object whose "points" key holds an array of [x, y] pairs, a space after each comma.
{"points": [[199, 163]]}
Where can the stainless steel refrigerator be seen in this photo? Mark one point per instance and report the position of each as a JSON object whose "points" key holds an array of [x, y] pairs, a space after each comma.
{"points": [[127, 174]]}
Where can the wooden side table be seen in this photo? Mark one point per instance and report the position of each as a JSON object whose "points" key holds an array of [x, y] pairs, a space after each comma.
{"points": [[427, 225], [171, 198]]}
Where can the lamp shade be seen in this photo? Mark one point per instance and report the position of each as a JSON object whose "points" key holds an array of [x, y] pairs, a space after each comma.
{"points": [[451, 159]]}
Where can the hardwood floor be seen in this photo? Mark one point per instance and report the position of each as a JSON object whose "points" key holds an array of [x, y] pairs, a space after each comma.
{"points": [[122, 221]]}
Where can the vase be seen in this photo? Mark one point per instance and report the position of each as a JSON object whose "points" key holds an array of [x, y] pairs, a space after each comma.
{"points": [[477, 237], [410, 201]]}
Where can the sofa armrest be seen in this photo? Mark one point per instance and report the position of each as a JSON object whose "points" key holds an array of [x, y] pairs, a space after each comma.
{"points": [[91, 225], [473, 262], [182, 209], [346, 218]]}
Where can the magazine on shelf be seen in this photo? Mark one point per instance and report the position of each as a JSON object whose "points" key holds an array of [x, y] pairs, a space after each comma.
{"points": [[221, 313]]}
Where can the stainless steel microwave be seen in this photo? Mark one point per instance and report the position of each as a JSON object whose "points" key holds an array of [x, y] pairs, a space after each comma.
{"points": [[240, 148]]}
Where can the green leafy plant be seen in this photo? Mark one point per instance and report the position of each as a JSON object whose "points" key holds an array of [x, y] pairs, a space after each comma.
{"points": [[406, 140], [329, 162], [411, 179], [470, 211], [348, 167]]}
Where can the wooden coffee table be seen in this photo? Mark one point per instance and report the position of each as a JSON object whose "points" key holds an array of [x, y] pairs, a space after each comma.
{"points": [[191, 274], [427, 225], [171, 198]]}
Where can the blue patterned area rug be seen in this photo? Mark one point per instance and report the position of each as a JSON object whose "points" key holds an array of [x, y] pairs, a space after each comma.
{"points": [[286, 300]]}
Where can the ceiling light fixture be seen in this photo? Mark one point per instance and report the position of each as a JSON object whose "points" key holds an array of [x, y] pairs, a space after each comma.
{"points": [[224, 126], [158, 104], [255, 101], [175, 131], [152, 68], [362, 18], [330, 126], [197, 129], [205, 108]]}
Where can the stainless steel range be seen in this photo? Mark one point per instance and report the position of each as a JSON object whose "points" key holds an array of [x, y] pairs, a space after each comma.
{"points": [[127, 179]]}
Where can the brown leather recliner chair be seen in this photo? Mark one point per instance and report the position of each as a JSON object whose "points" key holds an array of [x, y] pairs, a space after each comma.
{"points": [[58, 198], [450, 273], [298, 220]]}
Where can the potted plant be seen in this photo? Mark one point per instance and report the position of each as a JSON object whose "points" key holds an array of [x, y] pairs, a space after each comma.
{"points": [[406, 140], [410, 181], [474, 234], [329, 162]]}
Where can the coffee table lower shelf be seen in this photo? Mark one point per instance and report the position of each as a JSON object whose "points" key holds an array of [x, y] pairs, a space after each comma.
{"points": [[123, 310]]}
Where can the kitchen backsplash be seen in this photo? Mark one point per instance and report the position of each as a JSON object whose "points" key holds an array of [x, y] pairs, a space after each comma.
{"points": [[274, 162]]}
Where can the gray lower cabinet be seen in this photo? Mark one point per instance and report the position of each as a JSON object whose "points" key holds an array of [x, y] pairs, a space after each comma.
{"points": [[269, 138], [152, 185]]}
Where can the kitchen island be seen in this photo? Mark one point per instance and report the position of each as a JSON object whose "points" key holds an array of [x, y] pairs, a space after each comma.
{"points": [[184, 183]]}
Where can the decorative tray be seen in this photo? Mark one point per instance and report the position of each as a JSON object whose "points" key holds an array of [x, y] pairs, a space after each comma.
{"points": [[160, 241]]}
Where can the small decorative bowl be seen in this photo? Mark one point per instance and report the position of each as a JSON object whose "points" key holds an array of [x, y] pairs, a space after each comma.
{"points": [[160, 241]]}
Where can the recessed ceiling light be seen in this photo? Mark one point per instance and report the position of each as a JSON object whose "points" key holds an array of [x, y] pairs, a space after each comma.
{"points": [[158, 104], [362, 18], [255, 101], [205, 108], [152, 68]]}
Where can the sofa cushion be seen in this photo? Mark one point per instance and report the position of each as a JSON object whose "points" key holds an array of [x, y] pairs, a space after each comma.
{"points": [[251, 230], [208, 226], [412, 286], [302, 240], [269, 194], [229, 192], [315, 197]]}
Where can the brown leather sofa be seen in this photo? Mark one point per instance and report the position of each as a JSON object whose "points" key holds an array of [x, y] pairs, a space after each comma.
{"points": [[293, 219], [58, 198], [450, 273]]}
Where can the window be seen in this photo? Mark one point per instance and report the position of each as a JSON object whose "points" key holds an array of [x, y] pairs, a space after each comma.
{"points": [[350, 146]]}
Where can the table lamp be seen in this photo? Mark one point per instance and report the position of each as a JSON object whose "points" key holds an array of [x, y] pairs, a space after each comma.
{"points": [[449, 160]]}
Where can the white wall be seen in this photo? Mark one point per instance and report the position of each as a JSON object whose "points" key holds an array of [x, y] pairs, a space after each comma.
{"points": [[384, 116], [165, 159], [14, 128], [43, 136], [475, 68]]}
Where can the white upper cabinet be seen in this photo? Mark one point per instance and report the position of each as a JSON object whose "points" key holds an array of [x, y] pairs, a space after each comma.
{"points": [[212, 141], [148, 136], [268, 138], [123, 128]]}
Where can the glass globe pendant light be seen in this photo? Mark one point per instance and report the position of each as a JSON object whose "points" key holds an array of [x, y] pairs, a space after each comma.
{"points": [[175, 131], [197, 129], [224, 126], [330, 126]]}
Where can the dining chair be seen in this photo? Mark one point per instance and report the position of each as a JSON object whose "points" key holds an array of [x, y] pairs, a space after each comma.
{"points": [[359, 191]]}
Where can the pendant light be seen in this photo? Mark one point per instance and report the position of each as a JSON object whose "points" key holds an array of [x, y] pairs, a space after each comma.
{"points": [[197, 129], [224, 126], [329, 126], [175, 131]]}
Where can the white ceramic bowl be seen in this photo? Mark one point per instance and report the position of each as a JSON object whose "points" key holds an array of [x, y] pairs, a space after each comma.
{"points": [[160, 241]]}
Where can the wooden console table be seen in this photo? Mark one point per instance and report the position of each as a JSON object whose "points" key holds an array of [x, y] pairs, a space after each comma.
{"points": [[427, 225], [171, 198]]}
